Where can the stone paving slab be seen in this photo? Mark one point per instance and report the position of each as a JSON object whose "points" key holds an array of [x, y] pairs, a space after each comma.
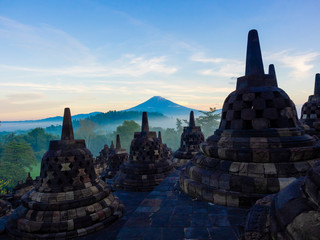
{"points": [[168, 213]]}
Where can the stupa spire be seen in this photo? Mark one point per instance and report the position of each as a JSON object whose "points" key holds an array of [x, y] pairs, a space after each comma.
{"points": [[118, 143], [191, 120], [67, 130], [145, 123], [272, 71], [317, 85], [254, 64], [160, 137], [112, 145]]}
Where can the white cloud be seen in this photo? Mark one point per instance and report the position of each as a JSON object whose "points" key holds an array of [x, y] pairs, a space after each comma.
{"points": [[299, 63], [129, 66], [219, 67]]}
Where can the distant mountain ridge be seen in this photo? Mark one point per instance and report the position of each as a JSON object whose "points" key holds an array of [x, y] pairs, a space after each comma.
{"points": [[57, 118], [162, 105]]}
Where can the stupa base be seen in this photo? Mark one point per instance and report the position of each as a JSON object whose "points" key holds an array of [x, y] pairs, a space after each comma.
{"points": [[142, 178], [102, 217]]}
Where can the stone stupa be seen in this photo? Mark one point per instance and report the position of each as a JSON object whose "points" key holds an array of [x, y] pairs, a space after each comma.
{"points": [[292, 214], [259, 147], [147, 166], [5, 208], [310, 111], [191, 138], [100, 163], [167, 152], [70, 200], [115, 159]]}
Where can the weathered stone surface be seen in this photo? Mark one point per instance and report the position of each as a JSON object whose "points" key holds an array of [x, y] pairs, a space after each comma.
{"points": [[292, 214], [115, 157], [259, 147], [70, 200], [310, 111], [191, 138], [148, 163]]}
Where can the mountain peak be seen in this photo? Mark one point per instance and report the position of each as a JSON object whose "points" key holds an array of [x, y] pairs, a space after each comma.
{"points": [[162, 105]]}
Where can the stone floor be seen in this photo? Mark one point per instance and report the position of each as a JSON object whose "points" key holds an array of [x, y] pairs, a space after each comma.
{"points": [[167, 213]]}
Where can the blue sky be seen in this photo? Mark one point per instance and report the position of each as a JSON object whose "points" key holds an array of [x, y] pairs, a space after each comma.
{"points": [[113, 55]]}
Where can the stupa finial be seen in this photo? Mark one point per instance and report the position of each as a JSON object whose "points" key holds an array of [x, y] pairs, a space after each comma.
{"points": [[112, 145], [317, 85], [67, 130], [118, 143], [145, 124], [254, 64], [160, 137], [191, 120], [272, 71]]}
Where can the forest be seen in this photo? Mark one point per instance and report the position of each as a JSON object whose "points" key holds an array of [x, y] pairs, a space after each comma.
{"points": [[21, 153]]}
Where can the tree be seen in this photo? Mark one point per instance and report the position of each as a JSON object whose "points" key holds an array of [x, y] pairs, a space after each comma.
{"points": [[87, 132], [16, 160], [172, 138], [39, 141], [126, 132], [209, 122], [179, 126]]}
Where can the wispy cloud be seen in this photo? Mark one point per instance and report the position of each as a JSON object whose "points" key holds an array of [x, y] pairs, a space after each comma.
{"points": [[45, 40], [219, 67], [71, 56], [299, 63], [130, 66]]}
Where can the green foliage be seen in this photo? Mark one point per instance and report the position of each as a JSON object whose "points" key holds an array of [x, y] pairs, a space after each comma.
{"points": [[3, 186], [88, 130], [39, 141], [209, 122], [179, 126], [172, 138], [126, 132], [1, 148], [17, 158]]}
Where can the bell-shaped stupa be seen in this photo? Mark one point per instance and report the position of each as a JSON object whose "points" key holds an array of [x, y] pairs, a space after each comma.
{"points": [[147, 166], [291, 214], [259, 147], [70, 200], [115, 159], [167, 152], [100, 163], [5, 208], [191, 138], [310, 112]]}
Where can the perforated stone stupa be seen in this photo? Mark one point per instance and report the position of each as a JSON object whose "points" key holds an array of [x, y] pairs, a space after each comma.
{"points": [[167, 152], [310, 112], [115, 159], [191, 138], [259, 147], [146, 166], [5, 208], [70, 200], [291, 214], [101, 161]]}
